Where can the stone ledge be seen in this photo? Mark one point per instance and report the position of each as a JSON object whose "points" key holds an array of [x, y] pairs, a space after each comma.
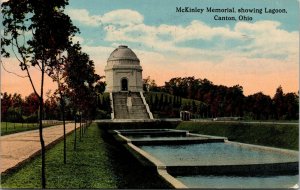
{"points": [[161, 168], [287, 168]]}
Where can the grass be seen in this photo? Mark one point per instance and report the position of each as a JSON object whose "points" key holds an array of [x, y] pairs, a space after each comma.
{"points": [[279, 135], [131, 172], [272, 120], [87, 167], [96, 163], [9, 128]]}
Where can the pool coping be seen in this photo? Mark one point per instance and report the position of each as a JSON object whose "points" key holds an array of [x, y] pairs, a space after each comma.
{"points": [[160, 167], [168, 172], [193, 138], [265, 148]]}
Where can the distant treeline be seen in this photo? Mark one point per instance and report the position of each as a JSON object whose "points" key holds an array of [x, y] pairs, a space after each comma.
{"points": [[219, 100], [199, 96], [14, 108]]}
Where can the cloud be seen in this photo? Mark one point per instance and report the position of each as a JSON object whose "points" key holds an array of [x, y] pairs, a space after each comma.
{"points": [[115, 17], [165, 37], [118, 17], [268, 40], [199, 30], [197, 40], [262, 39], [84, 17]]}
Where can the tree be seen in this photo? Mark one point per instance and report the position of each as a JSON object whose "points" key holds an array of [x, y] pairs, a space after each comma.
{"points": [[84, 85], [16, 110], [36, 31], [6, 103], [31, 104], [51, 107], [161, 102], [149, 85], [193, 108], [156, 102], [259, 105], [278, 100], [292, 105], [57, 73]]}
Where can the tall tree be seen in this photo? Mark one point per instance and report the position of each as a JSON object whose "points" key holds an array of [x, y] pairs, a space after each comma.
{"points": [[259, 105], [292, 103], [83, 83], [278, 101], [57, 73], [36, 30]]}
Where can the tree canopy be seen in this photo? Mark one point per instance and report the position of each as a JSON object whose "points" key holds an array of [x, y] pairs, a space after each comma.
{"points": [[84, 85], [223, 101]]}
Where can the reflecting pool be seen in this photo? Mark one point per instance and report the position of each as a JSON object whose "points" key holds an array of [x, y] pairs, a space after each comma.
{"points": [[214, 154]]}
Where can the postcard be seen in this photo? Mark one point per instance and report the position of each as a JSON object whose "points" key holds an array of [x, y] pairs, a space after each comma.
{"points": [[150, 94]]}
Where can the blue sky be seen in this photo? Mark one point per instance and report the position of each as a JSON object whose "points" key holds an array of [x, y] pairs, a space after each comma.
{"points": [[163, 11], [158, 12], [260, 54]]}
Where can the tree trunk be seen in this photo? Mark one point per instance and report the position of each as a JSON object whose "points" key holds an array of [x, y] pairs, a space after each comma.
{"points": [[14, 121], [62, 103], [75, 135], [62, 109], [43, 177], [83, 132], [80, 129]]}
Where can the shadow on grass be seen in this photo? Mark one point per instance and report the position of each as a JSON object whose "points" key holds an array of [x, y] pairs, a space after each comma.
{"points": [[129, 171], [98, 162]]}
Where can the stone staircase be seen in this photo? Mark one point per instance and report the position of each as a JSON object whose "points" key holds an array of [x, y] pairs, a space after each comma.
{"points": [[135, 110]]}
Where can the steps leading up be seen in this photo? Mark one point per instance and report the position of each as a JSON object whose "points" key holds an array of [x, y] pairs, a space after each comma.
{"points": [[135, 111]]}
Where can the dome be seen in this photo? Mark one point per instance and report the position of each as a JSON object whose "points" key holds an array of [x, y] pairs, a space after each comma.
{"points": [[123, 53]]}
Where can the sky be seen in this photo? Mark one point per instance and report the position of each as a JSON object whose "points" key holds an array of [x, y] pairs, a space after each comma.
{"points": [[258, 54]]}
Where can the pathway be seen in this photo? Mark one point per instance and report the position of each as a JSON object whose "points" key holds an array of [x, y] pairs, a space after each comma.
{"points": [[17, 148]]}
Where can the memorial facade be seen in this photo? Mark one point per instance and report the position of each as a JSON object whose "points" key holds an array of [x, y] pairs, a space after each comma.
{"points": [[123, 71]]}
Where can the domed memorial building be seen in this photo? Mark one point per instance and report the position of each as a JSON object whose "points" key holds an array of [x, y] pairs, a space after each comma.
{"points": [[123, 71], [123, 74]]}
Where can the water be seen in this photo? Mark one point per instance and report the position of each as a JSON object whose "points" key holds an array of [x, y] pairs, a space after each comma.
{"points": [[214, 154], [199, 181], [149, 137], [210, 154]]}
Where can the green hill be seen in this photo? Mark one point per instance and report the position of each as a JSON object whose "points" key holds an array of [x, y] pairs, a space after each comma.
{"points": [[164, 105]]}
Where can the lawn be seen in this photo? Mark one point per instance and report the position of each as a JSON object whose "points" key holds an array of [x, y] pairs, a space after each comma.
{"points": [[277, 135], [87, 167], [9, 128], [96, 163]]}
